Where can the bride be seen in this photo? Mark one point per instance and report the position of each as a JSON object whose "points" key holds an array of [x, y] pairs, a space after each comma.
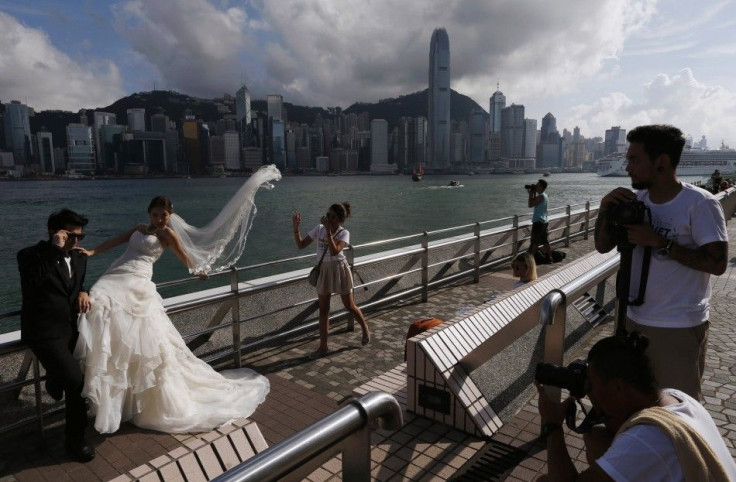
{"points": [[136, 365]]}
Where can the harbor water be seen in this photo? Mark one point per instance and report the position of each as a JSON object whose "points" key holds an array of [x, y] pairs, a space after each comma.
{"points": [[383, 207]]}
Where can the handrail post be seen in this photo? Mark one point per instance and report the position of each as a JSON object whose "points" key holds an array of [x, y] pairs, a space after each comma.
{"points": [[351, 262], [515, 237], [553, 315], [476, 254], [425, 267], [356, 456], [37, 390], [587, 220], [235, 316], [568, 210]]}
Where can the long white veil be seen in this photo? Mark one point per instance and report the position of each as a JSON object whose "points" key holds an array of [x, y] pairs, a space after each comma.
{"points": [[218, 245]]}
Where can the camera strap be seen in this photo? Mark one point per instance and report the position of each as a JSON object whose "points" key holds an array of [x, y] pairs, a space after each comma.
{"points": [[644, 277], [591, 418]]}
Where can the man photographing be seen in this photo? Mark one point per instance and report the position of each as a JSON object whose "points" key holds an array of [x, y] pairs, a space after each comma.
{"points": [[538, 200], [649, 434], [688, 243]]}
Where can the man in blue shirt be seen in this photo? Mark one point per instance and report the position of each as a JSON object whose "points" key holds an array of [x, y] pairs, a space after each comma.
{"points": [[538, 200]]}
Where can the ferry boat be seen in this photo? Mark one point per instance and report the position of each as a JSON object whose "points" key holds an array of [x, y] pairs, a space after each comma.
{"points": [[693, 162]]}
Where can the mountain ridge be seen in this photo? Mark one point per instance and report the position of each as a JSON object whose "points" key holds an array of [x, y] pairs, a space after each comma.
{"points": [[176, 105]]}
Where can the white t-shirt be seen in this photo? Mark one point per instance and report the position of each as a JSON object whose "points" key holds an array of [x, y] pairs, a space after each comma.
{"points": [[644, 452], [677, 296], [319, 234]]}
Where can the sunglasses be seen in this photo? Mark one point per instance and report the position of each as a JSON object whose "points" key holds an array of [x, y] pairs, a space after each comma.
{"points": [[75, 236]]}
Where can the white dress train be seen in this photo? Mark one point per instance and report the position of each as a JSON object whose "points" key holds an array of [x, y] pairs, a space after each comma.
{"points": [[136, 365]]}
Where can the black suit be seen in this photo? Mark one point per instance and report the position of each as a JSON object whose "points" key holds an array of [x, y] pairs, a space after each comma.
{"points": [[48, 322]]}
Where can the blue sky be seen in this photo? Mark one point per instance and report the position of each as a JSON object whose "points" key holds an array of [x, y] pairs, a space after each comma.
{"points": [[592, 64]]}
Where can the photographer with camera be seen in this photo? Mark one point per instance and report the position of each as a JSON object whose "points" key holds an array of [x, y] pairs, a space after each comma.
{"points": [[649, 434], [538, 200], [688, 242]]}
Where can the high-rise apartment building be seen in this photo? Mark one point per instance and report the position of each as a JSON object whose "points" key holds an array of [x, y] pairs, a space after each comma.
{"points": [[136, 120], [18, 132], [438, 138]]}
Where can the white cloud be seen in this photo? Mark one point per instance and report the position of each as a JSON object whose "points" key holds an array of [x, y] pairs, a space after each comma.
{"points": [[195, 47], [32, 67], [356, 50], [336, 53], [681, 100]]}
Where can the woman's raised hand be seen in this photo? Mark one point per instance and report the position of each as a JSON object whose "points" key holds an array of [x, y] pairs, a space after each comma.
{"points": [[296, 219], [87, 252]]}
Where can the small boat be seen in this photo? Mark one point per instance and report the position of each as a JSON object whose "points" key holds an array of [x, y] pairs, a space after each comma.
{"points": [[418, 176], [454, 183], [546, 174]]}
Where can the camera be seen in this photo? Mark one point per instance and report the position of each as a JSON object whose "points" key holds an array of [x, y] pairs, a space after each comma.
{"points": [[574, 377], [630, 212], [530, 187]]}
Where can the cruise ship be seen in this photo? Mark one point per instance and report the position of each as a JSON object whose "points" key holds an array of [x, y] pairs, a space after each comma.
{"points": [[693, 162]]}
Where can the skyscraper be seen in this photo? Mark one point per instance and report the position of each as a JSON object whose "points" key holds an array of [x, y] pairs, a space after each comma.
{"points": [[80, 148], [101, 119], [242, 115], [275, 105], [438, 136], [379, 146], [512, 131], [18, 132], [615, 140], [497, 103], [46, 152], [477, 131]]}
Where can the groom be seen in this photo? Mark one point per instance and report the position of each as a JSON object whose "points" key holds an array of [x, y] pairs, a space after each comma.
{"points": [[52, 285]]}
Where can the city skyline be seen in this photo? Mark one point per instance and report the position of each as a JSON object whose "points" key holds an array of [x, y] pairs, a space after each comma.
{"points": [[591, 64]]}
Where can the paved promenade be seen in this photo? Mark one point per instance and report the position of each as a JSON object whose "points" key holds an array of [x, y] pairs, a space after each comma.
{"points": [[304, 390]]}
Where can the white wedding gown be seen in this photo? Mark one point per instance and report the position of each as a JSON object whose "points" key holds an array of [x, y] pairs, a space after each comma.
{"points": [[138, 368]]}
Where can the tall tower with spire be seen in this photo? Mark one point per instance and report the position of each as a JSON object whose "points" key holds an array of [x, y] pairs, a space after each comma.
{"points": [[497, 103], [438, 133]]}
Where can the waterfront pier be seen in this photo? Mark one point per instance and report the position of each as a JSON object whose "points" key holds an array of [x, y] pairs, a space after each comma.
{"points": [[304, 391]]}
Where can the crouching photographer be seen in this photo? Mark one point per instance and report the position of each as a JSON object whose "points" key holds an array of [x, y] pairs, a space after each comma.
{"points": [[647, 433]]}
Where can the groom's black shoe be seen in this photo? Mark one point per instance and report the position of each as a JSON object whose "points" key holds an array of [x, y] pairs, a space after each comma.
{"points": [[79, 451], [56, 391]]}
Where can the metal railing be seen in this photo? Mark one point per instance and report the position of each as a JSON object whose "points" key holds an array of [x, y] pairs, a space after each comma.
{"points": [[426, 261], [346, 431], [553, 311]]}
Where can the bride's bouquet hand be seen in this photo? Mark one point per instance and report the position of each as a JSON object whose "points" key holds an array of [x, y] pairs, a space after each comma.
{"points": [[202, 275]]}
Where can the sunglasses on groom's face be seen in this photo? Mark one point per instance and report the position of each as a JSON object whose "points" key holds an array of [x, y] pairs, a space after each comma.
{"points": [[75, 236]]}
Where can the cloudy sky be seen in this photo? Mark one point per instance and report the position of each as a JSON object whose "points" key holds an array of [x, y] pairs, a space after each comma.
{"points": [[592, 64]]}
